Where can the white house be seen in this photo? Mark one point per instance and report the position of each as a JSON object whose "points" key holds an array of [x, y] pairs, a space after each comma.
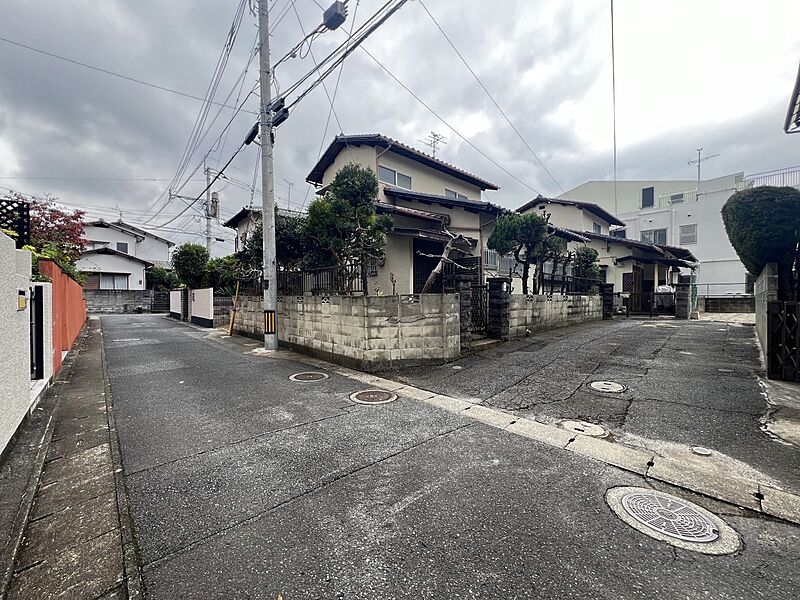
{"points": [[244, 223], [117, 255]]}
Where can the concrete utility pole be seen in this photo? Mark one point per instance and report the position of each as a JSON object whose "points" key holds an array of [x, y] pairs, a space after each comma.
{"points": [[270, 275], [208, 208]]}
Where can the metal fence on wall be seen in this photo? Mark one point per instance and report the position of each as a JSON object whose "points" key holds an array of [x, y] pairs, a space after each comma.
{"points": [[347, 280]]}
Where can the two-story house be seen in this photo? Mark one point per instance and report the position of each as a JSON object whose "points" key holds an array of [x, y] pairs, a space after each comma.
{"points": [[633, 266], [426, 197], [117, 255], [243, 223]]}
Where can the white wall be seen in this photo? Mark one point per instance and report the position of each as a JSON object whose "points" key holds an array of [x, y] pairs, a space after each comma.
{"points": [[109, 263], [175, 304], [108, 237], [720, 264], [629, 193], [202, 303], [15, 385]]}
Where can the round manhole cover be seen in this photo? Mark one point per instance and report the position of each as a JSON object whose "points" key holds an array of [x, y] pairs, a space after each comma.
{"points": [[373, 397], [308, 376], [584, 428], [670, 516], [611, 387], [673, 520]]}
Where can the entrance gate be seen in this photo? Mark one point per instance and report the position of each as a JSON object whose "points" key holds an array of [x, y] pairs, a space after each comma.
{"points": [[480, 308], [783, 341]]}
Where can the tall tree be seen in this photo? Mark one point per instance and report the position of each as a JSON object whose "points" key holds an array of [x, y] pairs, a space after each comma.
{"points": [[343, 225], [763, 225], [521, 236], [290, 243], [586, 269], [189, 262]]}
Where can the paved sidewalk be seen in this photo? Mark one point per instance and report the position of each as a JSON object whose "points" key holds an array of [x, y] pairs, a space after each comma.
{"points": [[72, 546]]}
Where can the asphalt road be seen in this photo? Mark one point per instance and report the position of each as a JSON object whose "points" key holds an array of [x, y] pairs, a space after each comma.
{"points": [[688, 383], [244, 484]]}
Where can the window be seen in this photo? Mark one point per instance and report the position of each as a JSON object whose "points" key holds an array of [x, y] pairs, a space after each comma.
{"points": [[392, 177], [122, 247], [654, 236], [452, 194], [618, 233], [648, 197], [676, 198], [113, 281], [596, 227], [688, 234]]}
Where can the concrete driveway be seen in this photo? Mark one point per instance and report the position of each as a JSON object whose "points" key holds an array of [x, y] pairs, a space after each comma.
{"points": [[244, 484]]}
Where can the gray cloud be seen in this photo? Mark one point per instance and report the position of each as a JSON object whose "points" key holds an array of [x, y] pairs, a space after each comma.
{"points": [[60, 120]]}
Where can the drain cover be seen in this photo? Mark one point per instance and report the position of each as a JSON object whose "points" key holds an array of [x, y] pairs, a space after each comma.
{"points": [[611, 387], [308, 376], [673, 520], [373, 397], [670, 516], [701, 450], [584, 428]]}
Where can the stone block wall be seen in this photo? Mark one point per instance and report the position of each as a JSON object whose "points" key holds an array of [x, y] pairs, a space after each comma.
{"points": [[117, 301], [369, 333], [732, 304], [541, 312]]}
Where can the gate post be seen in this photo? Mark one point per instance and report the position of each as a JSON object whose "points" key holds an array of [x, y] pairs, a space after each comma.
{"points": [[464, 287], [607, 299], [497, 326], [681, 300]]}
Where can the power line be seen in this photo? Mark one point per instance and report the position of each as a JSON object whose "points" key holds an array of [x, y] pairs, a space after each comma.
{"points": [[614, 103], [107, 72], [489, 94], [88, 178], [438, 116]]}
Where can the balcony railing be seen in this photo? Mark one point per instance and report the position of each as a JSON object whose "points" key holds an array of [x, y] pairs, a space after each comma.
{"points": [[790, 176]]}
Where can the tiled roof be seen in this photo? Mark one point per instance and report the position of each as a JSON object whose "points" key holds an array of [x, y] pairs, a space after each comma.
{"points": [[340, 142], [587, 206]]}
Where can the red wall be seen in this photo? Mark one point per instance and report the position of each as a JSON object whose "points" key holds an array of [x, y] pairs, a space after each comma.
{"points": [[69, 309]]}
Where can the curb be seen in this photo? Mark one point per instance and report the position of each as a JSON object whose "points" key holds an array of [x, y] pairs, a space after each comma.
{"points": [[130, 549]]}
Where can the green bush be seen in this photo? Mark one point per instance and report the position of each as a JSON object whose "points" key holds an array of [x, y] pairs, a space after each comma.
{"points": [[161, 280], [189, 262], [763, 225]]}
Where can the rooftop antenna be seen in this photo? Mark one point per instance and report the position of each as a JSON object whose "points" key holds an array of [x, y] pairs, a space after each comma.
{"points": [[433, 140], [700, 159]]}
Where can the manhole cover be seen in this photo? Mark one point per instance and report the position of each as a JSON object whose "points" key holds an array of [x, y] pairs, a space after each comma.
{"points": [[670, 516], [701, 450], [673, 520], [584, 428], [308, 376], [373, 397], [611, 387]]}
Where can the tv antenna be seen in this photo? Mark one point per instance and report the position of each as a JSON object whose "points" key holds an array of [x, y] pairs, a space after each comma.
{"points": [[700, 159], [433, 141]]}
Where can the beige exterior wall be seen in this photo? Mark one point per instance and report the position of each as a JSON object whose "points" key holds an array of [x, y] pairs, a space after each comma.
{"points": [[571, 217], [360, 155], [425, 179]]}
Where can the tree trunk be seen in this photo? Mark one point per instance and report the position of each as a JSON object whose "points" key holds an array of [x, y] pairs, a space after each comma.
{"points": [[439, 267], [526, 269]]}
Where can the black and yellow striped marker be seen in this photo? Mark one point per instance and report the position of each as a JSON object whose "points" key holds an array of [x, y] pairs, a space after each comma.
{"points": [[269, 322]]}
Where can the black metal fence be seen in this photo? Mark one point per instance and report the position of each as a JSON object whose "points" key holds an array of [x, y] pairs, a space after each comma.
{"points": [[338, 280], [555, 283], [648, 303], [783, 341], [15, 216]]}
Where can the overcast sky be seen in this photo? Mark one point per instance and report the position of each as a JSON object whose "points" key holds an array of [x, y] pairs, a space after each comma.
{"points": [[692, 73]]}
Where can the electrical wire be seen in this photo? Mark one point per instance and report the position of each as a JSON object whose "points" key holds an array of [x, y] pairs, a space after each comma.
{"points": [[614, 103], [107, 72], [489, 94]]}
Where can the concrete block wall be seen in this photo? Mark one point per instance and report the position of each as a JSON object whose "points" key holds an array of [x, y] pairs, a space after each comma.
{"points": [[118, 301], [765, 291], [541, 312], [370, 333]]}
